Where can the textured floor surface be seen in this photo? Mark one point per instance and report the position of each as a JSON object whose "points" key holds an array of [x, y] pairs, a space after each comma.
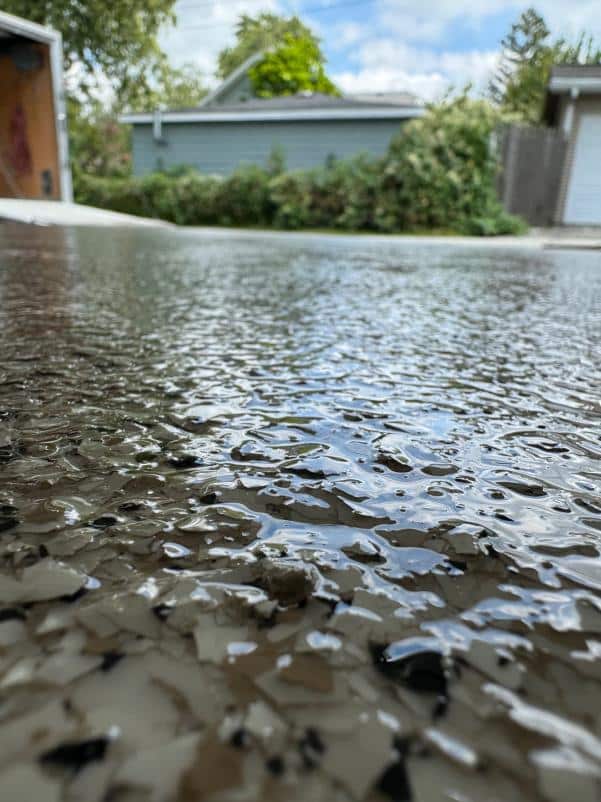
{"points": [[297, 519]]}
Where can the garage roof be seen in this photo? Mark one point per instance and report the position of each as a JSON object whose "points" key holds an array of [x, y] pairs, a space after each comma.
{"points": [[583, 77]]}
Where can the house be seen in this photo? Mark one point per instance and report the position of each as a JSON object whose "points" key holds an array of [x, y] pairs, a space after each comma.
{"points": [[232, 127], [34, 159], [573, 107]]}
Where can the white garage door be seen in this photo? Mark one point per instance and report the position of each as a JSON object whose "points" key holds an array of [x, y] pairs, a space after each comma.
{"points": [[583, 201]]}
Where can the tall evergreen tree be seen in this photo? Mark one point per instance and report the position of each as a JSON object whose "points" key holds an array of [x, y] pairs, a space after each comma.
{"points": [[524, 42], [527, 55]]}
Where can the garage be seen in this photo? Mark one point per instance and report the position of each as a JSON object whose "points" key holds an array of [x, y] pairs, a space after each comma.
{"points": [[574, 106], [583, 200]]}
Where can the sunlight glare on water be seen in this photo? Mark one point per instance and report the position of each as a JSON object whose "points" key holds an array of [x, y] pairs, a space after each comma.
{"points": [[298, 518]]}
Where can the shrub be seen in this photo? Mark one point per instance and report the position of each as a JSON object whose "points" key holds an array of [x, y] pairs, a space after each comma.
{"points": [[184, 200], [357, 183], [291, 199], [439, 173], [244, 198], [340, 195], [194, 200], [118, 194]]}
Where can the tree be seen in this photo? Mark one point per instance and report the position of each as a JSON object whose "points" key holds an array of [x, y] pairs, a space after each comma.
{"points": [[98, 144], [524, 42], [169, 88], [296, 66], [527, 54], [115, 38], [254, 34], [114, 41]]}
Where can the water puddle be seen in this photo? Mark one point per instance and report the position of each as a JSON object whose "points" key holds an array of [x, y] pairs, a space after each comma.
{"points": [[284, 521]]}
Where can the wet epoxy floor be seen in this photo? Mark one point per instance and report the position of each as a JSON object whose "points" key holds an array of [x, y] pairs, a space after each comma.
{"points": [[311, 519]]}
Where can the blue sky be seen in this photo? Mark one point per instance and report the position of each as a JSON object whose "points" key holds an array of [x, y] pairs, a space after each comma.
{"points": [[424, 46]]}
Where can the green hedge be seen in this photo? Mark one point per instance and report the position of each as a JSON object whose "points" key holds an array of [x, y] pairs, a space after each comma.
{"points": [[439, 174]]}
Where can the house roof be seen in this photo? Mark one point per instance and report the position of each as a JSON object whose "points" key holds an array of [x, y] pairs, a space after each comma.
{"points": [[302, 107], [309, 101], [293, 108]]}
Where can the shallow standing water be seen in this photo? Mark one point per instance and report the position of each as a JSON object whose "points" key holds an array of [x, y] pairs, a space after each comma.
{"points": [[297, 518]]}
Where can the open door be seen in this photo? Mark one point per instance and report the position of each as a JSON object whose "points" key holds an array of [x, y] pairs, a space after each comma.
{"points": [[33, 151]]}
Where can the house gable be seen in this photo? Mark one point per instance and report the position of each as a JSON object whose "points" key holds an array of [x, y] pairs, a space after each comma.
{"points": [[236, 88]]}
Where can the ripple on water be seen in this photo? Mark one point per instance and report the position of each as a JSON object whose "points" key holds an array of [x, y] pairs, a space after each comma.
{"points": [[307, 519]]}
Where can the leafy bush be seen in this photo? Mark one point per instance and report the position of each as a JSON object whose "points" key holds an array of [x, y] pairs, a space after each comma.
{"points": [[243, 198], [340, 195], [439, 173], [356, 183], [118, 194], [291, 197]]}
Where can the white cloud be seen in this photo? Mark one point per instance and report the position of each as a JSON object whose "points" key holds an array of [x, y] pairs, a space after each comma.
{"points": [[429, 86], [386, 65], [400, 44], [204, 27], [430, 20], [347, 34]]}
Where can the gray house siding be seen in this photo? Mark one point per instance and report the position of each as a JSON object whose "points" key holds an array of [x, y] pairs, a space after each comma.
{"points": [[221, 147]]}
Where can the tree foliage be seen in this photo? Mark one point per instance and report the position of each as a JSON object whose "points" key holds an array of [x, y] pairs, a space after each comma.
{"points": [[115, 38], [98, 144], [101, 146], [257, 33], [527, 55], [297, 65], [171, 88]]}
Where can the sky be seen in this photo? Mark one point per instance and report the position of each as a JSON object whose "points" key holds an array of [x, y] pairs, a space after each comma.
{"points": [[423, 46]]}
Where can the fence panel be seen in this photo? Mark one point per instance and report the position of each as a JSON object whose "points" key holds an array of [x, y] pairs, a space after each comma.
{"points": [[532, 160]]}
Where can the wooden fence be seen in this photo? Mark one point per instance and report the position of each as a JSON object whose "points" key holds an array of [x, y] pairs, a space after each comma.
{"points": [[532, 160]]}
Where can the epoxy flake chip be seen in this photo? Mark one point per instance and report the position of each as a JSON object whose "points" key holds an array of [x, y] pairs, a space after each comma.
{"points": [[297, 519]]}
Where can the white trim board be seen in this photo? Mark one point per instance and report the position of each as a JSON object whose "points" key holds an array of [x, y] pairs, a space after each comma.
{"points": [[283, 115], [584, 84], [30, 30]]}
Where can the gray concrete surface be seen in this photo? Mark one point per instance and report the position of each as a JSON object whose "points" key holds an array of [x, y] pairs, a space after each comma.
{"points": [[72, 214], [568, 237], [536, 239], [54, 213]]}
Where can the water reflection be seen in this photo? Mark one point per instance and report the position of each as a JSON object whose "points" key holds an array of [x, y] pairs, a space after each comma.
{"points": [[325, 511]]}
